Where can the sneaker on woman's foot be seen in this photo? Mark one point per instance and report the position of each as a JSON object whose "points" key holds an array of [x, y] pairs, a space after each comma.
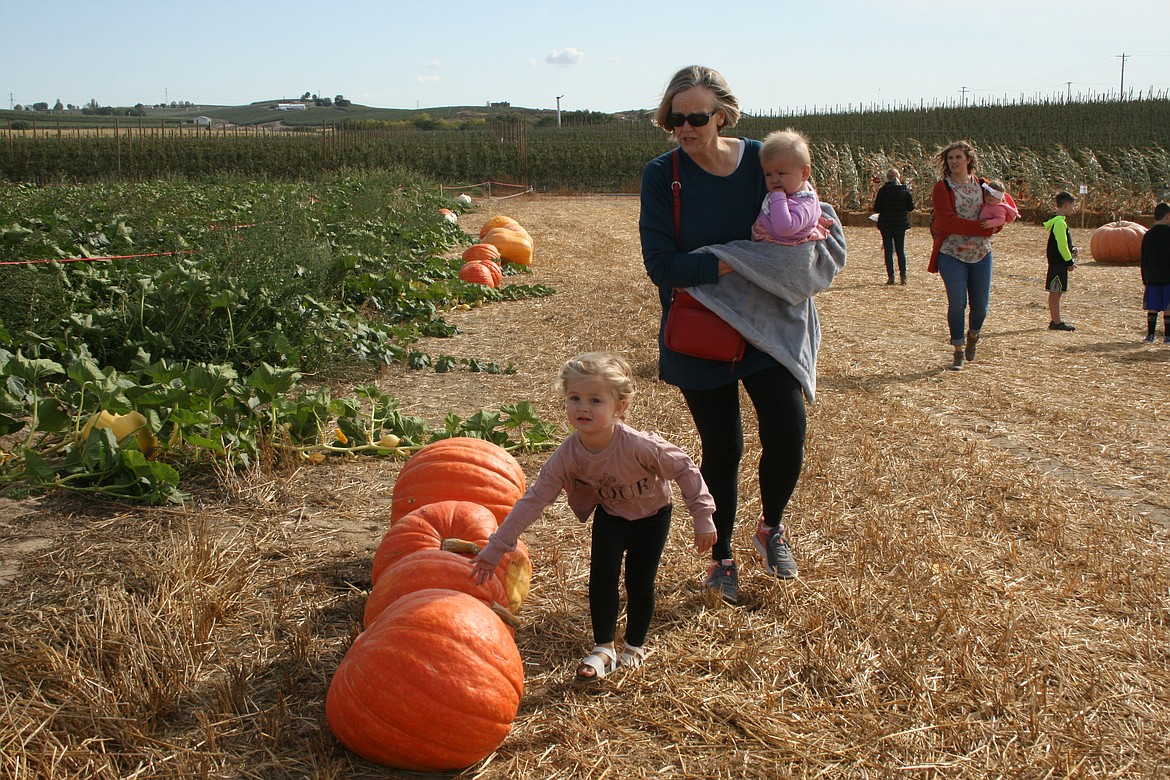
{"points": [[772, 544], [723, 579]]}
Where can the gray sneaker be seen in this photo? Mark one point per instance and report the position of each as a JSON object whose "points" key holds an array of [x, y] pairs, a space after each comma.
{"points": [[773, 547], [724, 579]]}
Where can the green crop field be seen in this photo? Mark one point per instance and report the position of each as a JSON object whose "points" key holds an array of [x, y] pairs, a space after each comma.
{"points": [[1111, 147]]}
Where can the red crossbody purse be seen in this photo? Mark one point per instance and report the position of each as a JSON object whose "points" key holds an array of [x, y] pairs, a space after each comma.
{"points": [[692, 328]]}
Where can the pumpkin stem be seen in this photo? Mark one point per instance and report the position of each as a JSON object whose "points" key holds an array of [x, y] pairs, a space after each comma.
{"points": [[461, 546], [506, 616]]}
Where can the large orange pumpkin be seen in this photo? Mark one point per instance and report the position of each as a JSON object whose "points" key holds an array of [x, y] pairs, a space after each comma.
{"points": [[459, 468], [429, 569], [481, 272], [456, 526], [1117, 242], [481, 252], [500, 221], [514, 246], [433, 685]]}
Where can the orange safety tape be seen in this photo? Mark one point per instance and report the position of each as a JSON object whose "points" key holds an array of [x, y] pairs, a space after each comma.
{"points": [[92, 259]]}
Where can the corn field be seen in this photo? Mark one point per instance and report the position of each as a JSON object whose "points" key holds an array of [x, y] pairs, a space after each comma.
{"points": [[1111, 148]]}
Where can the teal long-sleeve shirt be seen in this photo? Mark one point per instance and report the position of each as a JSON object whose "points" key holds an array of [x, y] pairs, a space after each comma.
{"points": [[715, 210]]}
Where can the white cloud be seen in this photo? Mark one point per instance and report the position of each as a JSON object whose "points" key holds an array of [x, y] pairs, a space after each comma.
{"points": [[427, 79], [564, 57], [433, 64]]}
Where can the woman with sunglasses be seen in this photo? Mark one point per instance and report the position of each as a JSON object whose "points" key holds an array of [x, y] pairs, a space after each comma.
{"points": [[721, 183]]}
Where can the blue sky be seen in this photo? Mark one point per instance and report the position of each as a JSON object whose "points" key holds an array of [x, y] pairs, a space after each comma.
{"points": [[600, 55]]}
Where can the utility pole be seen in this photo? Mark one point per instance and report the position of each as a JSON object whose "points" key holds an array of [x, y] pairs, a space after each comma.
{"points": [[962, 97], [1123, 56], [559, 110]]}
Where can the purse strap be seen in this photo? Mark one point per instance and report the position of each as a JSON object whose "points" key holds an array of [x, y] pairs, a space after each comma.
{"points": [[676, 191]]}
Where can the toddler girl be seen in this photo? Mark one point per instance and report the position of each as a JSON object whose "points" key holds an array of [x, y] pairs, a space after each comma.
{"points": [[791, 210], [622, 476], [996, 211]]}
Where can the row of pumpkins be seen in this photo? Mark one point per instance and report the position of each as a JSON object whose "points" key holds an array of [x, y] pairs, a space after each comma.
{"points": [[434, 681], [503, 238], [500, 238]]}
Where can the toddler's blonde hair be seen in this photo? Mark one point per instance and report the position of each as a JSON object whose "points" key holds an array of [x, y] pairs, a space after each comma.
{"points": [[787, 141], [610, 368]]}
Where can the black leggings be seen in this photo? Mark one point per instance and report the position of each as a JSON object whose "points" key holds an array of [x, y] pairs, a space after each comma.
{"points": [[641, 543], [894, 241], [779, 403]]}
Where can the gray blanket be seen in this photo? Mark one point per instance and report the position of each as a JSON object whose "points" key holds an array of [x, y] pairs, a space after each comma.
{"points": [[769, 299]]}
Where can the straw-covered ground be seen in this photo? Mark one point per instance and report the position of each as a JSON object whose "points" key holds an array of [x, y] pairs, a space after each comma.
{"points": [[983, 588]]}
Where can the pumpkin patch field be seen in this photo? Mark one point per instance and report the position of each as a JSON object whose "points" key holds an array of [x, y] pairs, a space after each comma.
{"points": [[984, 588]]}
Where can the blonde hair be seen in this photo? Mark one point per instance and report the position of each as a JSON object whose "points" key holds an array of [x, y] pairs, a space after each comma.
{"points": [[611, 369], [786, 142], [699, 76]]}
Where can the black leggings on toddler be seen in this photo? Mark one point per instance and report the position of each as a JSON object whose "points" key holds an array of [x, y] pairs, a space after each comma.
{"points": [[641, 543]]}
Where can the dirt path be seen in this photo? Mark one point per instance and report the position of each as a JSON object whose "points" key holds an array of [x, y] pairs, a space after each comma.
{"points": [[1090, 406]]}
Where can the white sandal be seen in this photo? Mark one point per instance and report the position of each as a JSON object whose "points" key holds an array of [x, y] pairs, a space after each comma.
{"points": [[632, 657], [602, 660]]}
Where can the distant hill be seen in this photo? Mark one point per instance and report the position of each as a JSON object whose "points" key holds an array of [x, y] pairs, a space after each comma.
{"points": [[261, 112]]}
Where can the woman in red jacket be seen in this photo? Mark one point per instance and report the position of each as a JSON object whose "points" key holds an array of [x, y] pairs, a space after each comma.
{"points": [[962, 246]]}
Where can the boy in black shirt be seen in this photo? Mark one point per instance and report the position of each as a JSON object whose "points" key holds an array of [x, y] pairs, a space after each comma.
{"points": [[1062, 257], [1156, 273]]}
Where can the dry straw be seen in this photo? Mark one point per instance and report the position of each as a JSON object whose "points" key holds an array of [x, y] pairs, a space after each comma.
{"points": [[983, 587]]}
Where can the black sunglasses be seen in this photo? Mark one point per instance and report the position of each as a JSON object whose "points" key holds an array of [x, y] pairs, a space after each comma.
{"points": [[674, 120]]}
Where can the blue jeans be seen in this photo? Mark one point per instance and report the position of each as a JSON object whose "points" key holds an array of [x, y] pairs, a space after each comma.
{"points": [[965, 283]]}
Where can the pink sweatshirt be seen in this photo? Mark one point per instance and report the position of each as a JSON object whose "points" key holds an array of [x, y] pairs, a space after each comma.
{"points": [[630, 478], [997, 214]]}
